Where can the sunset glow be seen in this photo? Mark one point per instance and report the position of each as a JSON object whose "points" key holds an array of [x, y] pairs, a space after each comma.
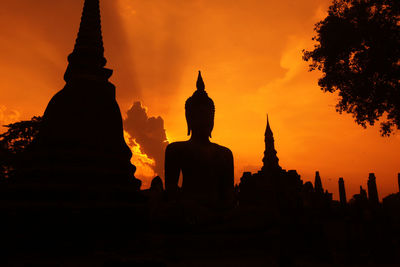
{"points": [[144, 164], [250, 55]]}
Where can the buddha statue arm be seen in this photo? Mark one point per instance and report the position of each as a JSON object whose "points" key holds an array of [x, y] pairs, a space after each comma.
{"points": [[228, 180], [172, 171]]}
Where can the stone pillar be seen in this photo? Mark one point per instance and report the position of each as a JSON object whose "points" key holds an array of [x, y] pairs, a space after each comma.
{"points": [[318, 184], [372, 189], [342, 192]]}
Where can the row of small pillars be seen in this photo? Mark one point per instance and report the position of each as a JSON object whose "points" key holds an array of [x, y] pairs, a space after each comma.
{"points": [[372, 189]]}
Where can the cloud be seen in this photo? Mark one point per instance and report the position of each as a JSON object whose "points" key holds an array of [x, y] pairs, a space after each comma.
{"points": [[7, 116], [148, 133], [144, 164]]}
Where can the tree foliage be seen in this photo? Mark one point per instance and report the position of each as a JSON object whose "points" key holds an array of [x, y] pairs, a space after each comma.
{"points": [[14, 141], [358, 51]]}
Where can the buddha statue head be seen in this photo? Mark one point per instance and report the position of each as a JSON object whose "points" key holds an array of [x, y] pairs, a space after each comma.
{"points": [[199, 111]]}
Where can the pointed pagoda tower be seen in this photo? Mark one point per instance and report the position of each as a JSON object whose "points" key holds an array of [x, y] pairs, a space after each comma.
{"points": [[270, 160], [81, 139]]}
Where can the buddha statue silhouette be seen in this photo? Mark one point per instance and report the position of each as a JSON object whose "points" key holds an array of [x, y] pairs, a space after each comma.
{"points": [[207, 168]]}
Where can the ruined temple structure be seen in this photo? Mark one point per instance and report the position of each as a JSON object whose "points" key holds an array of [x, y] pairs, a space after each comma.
{"points": [[360, 200], [81, 140], [272, 186], [392, 201]]}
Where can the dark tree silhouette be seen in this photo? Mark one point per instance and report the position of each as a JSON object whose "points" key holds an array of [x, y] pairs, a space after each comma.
{"points": [[20, 134], [14, 141], [358, 52]]}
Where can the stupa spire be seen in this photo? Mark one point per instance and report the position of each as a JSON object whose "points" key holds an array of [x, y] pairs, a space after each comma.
{"points": [[268, 130], [270, 160], [87, 58]]}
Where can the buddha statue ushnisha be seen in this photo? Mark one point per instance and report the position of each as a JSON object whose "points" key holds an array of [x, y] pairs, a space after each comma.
{"points": [[207, 168]]}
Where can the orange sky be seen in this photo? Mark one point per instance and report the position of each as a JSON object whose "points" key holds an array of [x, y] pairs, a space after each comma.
{"points": [[249, 52]]}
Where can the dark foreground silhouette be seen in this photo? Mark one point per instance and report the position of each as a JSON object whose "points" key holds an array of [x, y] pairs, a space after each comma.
{"points": [[72, 199]]}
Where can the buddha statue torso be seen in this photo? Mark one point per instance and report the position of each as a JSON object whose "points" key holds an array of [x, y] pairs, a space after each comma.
{"points": [[207, 170]]}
